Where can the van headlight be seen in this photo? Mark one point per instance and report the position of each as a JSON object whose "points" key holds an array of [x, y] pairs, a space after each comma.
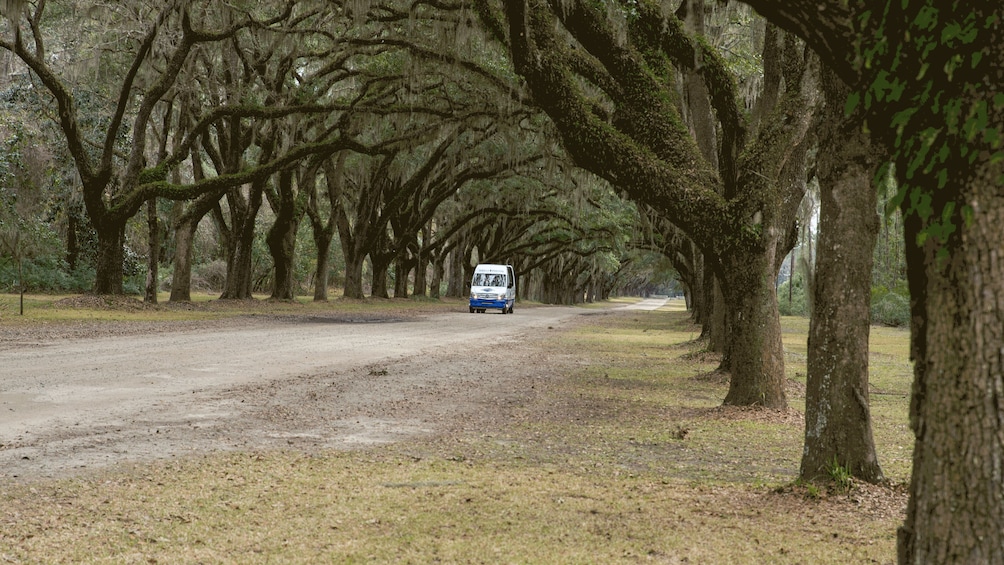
{"points": [[501, 296]]}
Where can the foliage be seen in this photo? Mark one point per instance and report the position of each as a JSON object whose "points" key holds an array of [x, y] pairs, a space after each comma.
{"points": [[841, 476], [931, 90], [891, 307], [791, 296]]}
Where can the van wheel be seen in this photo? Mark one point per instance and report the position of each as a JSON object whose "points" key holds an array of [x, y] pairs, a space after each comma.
{"points": [[472, 309], [503, 309], [511, 306]]}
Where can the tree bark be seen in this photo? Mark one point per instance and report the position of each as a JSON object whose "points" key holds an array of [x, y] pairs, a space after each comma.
{"points": [[322, 240], [181, 281], [381, 266], [457, 283], [109, 272], [957, 487], [240, 283], [401, 272], [353, 276], [281, 239], [755, 351], [421, 276], [438, 273], [153, 258], [838, 427]]}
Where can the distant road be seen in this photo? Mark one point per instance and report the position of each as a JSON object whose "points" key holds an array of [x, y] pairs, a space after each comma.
{"points": [[648, 304]]}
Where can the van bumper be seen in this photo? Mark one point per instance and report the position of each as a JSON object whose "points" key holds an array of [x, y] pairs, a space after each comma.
{"points": [[485, 303]]}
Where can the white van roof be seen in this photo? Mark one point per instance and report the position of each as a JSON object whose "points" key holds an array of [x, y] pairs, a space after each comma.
{"points": [[490, 268]]}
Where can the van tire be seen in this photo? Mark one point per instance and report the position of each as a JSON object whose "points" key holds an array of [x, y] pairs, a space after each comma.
{"points": [[472, 309]]}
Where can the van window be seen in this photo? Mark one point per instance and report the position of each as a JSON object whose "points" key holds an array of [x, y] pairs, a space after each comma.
{"points": [[489, 279]]}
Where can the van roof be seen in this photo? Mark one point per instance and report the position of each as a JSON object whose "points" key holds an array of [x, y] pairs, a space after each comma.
{"points": [[491, 268]]}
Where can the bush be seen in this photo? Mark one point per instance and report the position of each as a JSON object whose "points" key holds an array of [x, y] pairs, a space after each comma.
{"points": [[45, 274], [796, 306], [210, 276], [890, 307]]}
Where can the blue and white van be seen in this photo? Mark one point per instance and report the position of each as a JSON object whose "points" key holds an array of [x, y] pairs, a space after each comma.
{"points": [[493, 287]]}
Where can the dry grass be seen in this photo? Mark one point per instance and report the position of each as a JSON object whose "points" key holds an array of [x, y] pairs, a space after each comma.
{"points": [[623, 456]]}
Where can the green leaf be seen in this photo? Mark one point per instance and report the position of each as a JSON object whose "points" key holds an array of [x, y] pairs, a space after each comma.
{"points": [[851, 103], [927, 18], [942, 178], [968, 215]]}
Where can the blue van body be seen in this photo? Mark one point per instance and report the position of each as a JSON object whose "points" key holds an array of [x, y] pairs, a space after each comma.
{"points": [[493, 287]]}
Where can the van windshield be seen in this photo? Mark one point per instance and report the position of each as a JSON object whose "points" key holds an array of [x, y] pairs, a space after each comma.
{"points": [[489, 279]]}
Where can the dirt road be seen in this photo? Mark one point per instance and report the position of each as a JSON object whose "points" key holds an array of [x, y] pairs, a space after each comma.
{"points": [[71, 405]]}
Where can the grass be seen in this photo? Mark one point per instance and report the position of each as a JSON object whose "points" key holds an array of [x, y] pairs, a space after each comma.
{"points": [[624, 456], [76, 308]]}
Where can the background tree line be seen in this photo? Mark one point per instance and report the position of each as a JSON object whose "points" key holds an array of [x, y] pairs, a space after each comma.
{"points": [[252, 136]]}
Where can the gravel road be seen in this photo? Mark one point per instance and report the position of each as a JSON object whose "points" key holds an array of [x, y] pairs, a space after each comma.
{"points": [[73, 404]]}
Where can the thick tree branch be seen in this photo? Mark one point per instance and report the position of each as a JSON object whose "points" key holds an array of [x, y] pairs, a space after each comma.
{"points": [[826, 25]]}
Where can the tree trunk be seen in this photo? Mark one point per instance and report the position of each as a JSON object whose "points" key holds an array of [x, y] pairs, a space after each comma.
{"points": [[281, 239], [109, 273], [438, 273], [838, 427], [755, 349], [402, 269], [421, 276], [381, 265], [181, 282], [353, 276], [957, 487], [240, 283], [322, 240], [153, 258], [456, 286]]}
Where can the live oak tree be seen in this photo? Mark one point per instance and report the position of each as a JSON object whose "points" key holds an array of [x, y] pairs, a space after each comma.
{"points": [[740, 213], [928, 77], [116, 177]]}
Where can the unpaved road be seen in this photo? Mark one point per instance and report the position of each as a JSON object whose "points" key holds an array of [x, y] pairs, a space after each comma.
{"points": [[71, 405]]}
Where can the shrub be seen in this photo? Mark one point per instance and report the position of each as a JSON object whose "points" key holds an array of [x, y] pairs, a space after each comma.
{"points": [[210, 276], [890, 307], [796, 306]]}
